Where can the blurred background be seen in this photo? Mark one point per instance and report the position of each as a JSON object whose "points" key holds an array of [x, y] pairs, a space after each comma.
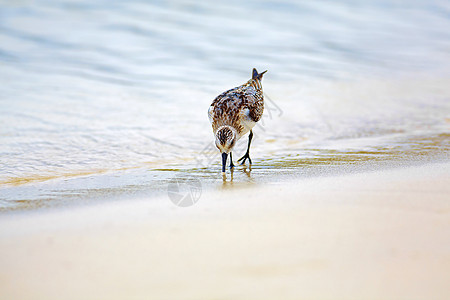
{"points": [[91, 91]]}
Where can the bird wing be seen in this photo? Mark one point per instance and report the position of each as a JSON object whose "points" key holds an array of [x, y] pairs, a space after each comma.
{"points": [[242, 103]]}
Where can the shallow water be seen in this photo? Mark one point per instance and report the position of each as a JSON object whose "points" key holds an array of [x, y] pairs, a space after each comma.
{"points": [[109, 100]]}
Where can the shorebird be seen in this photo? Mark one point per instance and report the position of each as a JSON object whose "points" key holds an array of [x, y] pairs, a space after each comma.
{"points": [[234, 113]]}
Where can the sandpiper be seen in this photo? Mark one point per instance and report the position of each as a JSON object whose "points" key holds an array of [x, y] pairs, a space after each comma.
{"points": [[234, 113]]}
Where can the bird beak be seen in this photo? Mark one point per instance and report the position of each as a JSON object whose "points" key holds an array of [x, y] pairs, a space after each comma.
{"points": [[224, 161]]}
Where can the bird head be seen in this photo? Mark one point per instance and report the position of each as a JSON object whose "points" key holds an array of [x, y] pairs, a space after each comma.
{"points": [[225, 141]]}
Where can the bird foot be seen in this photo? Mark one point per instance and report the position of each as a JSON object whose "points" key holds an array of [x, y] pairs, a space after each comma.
{"points": [[244, 158], [231, 165]]}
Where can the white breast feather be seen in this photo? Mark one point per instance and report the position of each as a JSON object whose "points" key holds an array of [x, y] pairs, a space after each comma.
{"points": [[247, 122]]}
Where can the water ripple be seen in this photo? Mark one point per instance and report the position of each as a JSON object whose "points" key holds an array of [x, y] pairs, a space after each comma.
{"points": [[101, 86]]}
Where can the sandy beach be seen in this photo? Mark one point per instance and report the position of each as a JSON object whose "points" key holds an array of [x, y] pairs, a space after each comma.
{"points": [[104, 114], [373, 235]]}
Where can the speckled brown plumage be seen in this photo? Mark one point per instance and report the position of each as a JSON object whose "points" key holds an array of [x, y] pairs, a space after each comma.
{"points": [[240, 107], [224, 135], [234, 113]]}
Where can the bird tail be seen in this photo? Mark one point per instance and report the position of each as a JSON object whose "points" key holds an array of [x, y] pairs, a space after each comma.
{"points": [[257, 75]]}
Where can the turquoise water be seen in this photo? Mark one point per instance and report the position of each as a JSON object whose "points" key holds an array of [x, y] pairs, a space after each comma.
{"points": [[109, 99]]}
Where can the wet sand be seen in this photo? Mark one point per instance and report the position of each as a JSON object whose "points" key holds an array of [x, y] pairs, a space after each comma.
{"points": [[374, 235]]}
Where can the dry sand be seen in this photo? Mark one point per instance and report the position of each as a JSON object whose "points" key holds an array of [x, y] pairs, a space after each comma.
{"points": [[379, 235]]}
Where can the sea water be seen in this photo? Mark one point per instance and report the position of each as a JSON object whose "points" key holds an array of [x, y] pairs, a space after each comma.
{"points": [[109, 99]]}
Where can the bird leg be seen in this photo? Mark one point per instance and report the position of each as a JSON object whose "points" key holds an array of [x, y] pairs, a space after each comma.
{"points": [[247, 154], [231, 161]]}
